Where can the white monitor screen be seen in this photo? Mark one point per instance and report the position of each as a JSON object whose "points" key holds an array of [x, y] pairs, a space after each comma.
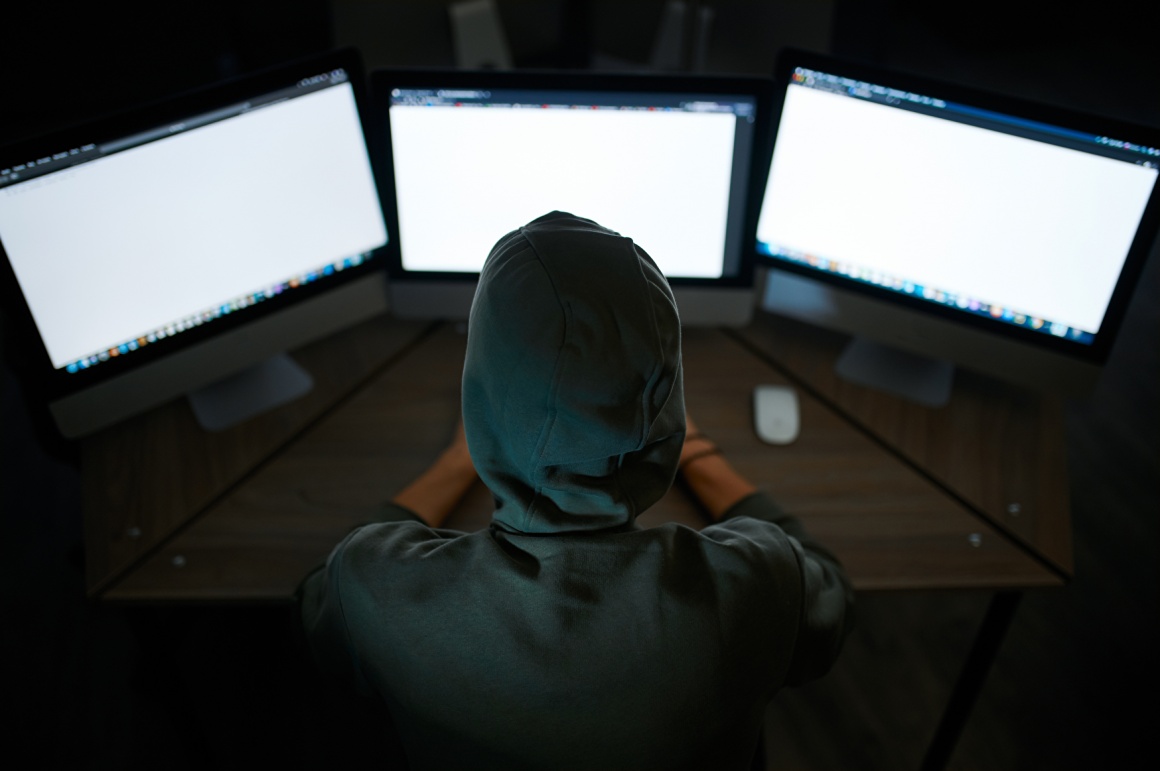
{"points": [[984, 213], [668, 170], [120, 244]]}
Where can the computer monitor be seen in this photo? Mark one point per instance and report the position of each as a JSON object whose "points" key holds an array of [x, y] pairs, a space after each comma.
{"points": [[969, 227], [149, 254], [664, 160]]}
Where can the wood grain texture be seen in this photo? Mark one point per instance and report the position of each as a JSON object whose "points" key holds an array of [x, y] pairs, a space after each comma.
{"points": [[892, 527], [259, 542], [144, 478], [998, 447]]}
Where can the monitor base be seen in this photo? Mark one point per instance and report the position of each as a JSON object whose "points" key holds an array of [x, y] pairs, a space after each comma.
{"points": [[257, 389], [916, 378]]}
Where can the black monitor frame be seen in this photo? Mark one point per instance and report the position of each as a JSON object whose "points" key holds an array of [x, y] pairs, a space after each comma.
{"points": [[383, 81], [23, 342], [1023, 109]]}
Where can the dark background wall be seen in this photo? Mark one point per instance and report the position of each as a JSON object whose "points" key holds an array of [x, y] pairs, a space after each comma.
{"points": [[62, 63], [66, 62]]}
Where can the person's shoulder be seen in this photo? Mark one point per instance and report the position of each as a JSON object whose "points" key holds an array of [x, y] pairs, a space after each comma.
{"points": [[396, 540], [737, 545], [390, 559], [759, 542]]}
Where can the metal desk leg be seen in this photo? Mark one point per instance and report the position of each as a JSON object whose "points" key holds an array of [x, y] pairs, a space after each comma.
{"points": [[971, 678]]}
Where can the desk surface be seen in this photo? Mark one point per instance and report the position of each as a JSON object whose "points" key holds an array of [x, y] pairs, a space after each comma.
{"points": [[973, 495]]}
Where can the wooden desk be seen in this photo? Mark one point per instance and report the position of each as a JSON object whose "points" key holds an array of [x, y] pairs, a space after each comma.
{"points": [[969, 496], [973, 495]]}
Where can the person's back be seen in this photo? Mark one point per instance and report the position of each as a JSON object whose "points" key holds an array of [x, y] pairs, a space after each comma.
{"points": [[564, 636]]}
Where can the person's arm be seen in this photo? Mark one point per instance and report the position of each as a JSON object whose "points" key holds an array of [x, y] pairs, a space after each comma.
{"points": [[431, 497], [711, 479], [827, 597], [435, 493]]}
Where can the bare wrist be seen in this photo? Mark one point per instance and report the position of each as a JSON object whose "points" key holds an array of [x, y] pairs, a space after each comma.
{"points": [[697, 446]]}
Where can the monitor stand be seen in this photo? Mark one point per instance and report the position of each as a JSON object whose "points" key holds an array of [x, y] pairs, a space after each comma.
{"points": [[257, 389], [912, 376]]}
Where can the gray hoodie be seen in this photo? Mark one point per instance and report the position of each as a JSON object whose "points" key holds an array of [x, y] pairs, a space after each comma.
{"points": [[573, 399], [564, 636]]}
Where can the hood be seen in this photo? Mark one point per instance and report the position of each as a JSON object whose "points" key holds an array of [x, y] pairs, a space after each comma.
{"points": [[573, 401]]}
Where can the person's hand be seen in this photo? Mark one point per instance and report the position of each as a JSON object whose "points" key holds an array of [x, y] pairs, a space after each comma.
{"points": [[710, 478], [457, 448], [436, 492], [696, 443]]}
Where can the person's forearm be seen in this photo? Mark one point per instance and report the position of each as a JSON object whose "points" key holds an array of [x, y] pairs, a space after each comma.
{"points": [[711, 479], [435, 493]]}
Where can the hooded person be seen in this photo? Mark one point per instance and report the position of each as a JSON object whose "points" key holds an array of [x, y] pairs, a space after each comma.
{"points": [[564, 636]]}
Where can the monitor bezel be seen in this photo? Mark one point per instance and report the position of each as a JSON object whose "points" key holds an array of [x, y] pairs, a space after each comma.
{"points": [[384, 80], [1097, 351], [31, 357]]}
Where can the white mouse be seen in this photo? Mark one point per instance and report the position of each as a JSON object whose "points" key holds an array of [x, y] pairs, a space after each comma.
{"points": [[775, 413]]}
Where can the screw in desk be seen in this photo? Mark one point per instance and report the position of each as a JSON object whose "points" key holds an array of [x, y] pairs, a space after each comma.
{"points": [[1013, 509], [975, 539], [133, 532], [179, 561]]}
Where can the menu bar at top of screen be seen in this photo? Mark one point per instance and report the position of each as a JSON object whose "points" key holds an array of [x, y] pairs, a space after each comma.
{"points": [[923, 103], [742, 107], [24, 170]]}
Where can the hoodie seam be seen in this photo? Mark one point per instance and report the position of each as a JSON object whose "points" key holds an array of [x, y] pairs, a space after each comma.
{"points": [[550, 423]]}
